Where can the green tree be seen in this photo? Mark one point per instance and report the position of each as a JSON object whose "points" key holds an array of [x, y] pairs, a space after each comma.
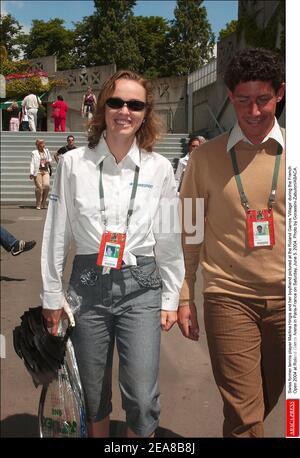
{"points": [[150, 35], [266, 36], [191, 40], [106, 36], [228, 30], [50, 37], [10, 35]]}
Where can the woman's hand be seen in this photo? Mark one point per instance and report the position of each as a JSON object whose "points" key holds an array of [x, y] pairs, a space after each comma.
{"points": [[167, 319], [53, 318], [31, 177]]}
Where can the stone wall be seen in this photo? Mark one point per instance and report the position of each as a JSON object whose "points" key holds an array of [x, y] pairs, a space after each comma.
{"points": [[170, 98], [78, 81]]}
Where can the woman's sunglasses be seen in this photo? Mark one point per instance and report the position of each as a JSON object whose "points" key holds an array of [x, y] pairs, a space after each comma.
{"points": [[133, 105]]}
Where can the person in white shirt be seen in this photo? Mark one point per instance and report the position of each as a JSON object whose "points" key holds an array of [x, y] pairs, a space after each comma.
{"points": [[31, 104], [40, 166], [116, 188], [194, 142]]}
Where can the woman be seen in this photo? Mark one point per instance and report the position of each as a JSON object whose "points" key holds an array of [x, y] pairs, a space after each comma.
{"points": [[88, 104], [59, 114], [39, 172], [111, 193], [15, 115]]}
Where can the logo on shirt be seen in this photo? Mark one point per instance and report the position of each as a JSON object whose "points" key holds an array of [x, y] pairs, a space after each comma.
{"points": [[143, 185]]}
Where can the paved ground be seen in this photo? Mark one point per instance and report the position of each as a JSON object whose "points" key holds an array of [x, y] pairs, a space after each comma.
{"points": [[191, 405]]}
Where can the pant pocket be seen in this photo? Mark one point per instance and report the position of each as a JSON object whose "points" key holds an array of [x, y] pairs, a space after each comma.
{"points": [[85, 287], [147, 276]]}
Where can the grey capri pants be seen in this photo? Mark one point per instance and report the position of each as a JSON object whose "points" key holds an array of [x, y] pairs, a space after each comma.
{"points": [[122, 306]]}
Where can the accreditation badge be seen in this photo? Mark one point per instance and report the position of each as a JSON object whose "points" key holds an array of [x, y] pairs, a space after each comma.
{"points": [[260, 228], [111, 250]]}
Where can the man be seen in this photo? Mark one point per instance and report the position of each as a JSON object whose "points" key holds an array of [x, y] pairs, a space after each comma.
{"points": [[244, 306], [194, 142], [10, 243], [30, 105], [70, 145]]}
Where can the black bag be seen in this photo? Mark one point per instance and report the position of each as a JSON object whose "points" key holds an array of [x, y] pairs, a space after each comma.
{"points": [[50, 169], [24, 126]]}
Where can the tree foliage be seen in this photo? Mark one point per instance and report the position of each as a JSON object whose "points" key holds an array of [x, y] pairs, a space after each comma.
{"points": [[106, 38], [150, 45], [10, 35], [34, 85], [191, 40], [47, 38], [228, 30], [266, 36], [150, 34]]}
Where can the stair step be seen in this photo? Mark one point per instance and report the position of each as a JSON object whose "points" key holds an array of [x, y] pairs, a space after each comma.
{"points": [[16, 151]]}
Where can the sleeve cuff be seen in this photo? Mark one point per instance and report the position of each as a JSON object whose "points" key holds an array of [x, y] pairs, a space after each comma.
{"points": [[52, 301], [170, 301]]}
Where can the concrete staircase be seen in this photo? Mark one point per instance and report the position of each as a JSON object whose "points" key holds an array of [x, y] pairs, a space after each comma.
{"points": [[16, 147]]}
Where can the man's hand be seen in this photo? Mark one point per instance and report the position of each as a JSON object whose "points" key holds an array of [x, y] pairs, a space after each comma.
{"points": [[188, 322], [53, 318], [167, 319]]}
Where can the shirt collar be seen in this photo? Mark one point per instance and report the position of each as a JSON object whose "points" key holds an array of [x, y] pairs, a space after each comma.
{"points": [[236, 135], [102, 151]]}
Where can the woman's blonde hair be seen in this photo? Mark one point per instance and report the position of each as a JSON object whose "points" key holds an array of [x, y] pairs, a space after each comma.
{"points": [[150, 130], [38, 141]]}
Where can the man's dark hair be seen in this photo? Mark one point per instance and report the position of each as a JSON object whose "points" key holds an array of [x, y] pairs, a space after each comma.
{"points": [[70, 136], [60, 97], [192, 139], [255, 64]]}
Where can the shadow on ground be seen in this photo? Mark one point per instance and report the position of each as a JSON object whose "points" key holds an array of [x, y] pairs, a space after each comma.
{"points": [[25, 425]]}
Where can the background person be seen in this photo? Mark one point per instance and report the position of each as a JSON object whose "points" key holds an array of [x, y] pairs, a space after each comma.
{"points": [[31, 104], [39, 172], [70, 145], [244, 286], [88, 105], [13, 245], [24, 126], [97, 199], [59, 114], [194, 142], [15, 116]]}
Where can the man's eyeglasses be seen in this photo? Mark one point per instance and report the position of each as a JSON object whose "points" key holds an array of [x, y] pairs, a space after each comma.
{"points": [[133, 105]]}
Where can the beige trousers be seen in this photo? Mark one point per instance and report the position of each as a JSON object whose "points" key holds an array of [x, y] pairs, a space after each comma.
{"points": [[246, 340], [42, 184]]}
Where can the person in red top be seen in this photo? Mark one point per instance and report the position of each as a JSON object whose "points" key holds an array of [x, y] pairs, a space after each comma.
{"points": [[59, 114]]}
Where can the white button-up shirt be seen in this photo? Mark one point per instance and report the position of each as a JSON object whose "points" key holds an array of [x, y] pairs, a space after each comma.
{"points": [[74, 212], [182, 163]]}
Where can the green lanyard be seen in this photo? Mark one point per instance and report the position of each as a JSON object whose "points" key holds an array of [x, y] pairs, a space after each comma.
{"points": [[132, 198], [272, 197]]}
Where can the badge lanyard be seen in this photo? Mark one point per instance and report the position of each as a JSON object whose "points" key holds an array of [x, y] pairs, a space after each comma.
{"points": [[132, 197], [262, 220], [112, 244]]}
